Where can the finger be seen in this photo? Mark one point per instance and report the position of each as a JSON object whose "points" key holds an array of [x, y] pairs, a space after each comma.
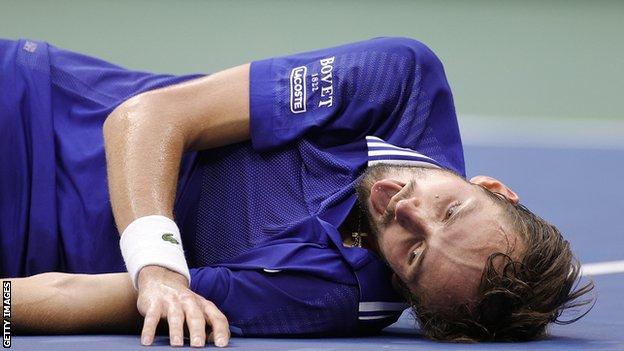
{"points": [[219, 323], [152, 317], [196, 324], [175, 319]]}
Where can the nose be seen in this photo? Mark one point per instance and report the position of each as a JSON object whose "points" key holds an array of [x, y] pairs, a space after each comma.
{"points": [[409, 214]]}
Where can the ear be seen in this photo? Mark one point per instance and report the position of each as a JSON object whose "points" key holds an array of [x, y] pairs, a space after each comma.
{"points": [[381, 192], [496, 186]]}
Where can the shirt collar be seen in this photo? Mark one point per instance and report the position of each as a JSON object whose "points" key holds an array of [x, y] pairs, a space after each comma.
{"points": [[381, 151]]}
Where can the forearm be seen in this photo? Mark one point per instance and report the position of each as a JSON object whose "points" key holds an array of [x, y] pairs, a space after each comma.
{"points": [[144, 139], [143, 160], [146, 136], [74, 303]]}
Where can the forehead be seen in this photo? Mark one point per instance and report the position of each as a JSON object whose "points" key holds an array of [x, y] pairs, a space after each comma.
{"points": [[479, 220]]}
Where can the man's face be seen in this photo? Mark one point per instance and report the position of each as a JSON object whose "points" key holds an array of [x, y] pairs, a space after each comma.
{"points": [[436, 230]]}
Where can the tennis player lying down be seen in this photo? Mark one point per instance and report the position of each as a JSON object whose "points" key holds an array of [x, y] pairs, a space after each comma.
{"points": [[314, 194]]}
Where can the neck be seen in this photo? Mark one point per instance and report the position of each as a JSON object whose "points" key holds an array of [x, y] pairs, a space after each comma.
{"points": [[357, 220]]}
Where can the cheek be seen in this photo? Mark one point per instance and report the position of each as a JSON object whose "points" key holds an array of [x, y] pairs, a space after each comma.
{"points": [[394, 242]]}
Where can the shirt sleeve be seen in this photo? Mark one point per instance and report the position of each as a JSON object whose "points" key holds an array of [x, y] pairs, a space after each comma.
{"points": [[393, 88], [260, 303]]}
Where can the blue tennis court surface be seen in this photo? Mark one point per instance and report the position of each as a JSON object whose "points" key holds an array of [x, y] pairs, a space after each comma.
{"points": [[580, 190]]}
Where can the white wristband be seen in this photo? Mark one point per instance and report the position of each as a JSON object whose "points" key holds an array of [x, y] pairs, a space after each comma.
{"points": [[153, 240]]}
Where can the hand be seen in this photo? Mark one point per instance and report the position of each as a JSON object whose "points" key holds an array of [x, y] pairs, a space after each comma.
{"points": [[164, 294]]}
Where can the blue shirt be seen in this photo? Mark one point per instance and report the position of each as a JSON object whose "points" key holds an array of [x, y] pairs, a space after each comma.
{"points": [[259, 219]]}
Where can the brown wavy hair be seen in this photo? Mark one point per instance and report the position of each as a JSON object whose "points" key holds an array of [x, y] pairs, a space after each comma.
{"points": [[516, 301]]}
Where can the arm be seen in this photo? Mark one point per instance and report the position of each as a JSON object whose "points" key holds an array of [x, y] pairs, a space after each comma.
{"points": [[79, 303], [63, 303], [145, 138]]}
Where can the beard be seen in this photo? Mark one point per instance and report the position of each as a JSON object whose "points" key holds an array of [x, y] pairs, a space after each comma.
{"points": [[376, 173], [374, 226]]}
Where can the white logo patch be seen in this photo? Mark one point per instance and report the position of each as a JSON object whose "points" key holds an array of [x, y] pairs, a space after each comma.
{"points": [[298, 89], [30, 46]]}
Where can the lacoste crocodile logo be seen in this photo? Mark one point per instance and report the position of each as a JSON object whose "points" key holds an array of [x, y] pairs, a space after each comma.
{"points": [[169, 237]]}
